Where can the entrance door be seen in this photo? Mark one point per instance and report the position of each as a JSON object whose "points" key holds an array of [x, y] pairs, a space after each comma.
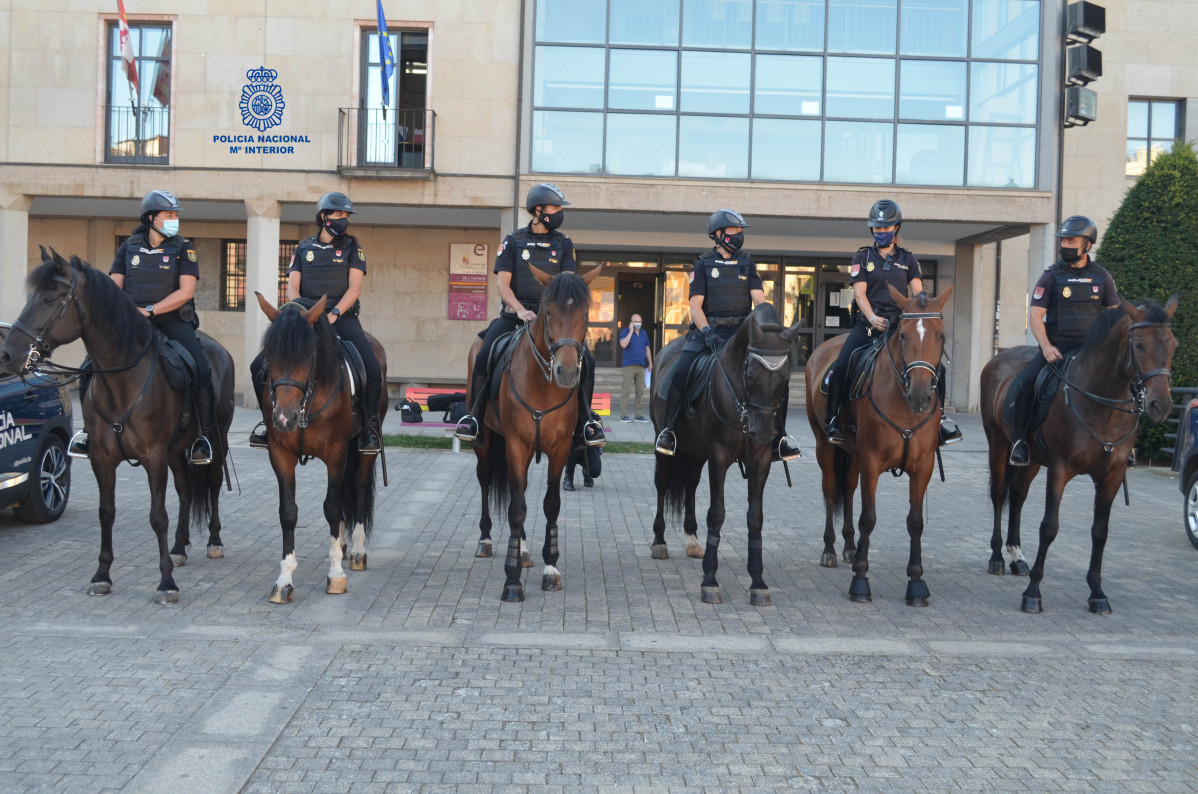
{"points": [[636, 295], [834, 308]]}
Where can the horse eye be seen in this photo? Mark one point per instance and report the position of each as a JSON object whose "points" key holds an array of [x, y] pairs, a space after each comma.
{"points": [[1140, 346], [49, 299]]}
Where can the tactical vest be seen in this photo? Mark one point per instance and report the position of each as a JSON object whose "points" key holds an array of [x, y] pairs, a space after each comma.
{"points": [[323, 270], [1075, 303], [152, 273], [541, 250], [727, 287]]}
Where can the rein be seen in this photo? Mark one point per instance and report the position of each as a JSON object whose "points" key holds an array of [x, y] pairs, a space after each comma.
{"points": [[309, 389], [546, 367]]}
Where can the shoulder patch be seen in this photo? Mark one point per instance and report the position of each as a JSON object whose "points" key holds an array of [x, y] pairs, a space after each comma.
{"points": [[191, 254], [361, 254], [855, 271], [1038, 294]]}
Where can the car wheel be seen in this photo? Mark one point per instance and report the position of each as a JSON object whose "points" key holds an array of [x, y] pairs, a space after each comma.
{"points": [[1190, 507], [47, 497]]}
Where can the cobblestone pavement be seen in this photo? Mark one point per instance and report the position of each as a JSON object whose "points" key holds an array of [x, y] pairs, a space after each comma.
{"points": [[419, 679]]}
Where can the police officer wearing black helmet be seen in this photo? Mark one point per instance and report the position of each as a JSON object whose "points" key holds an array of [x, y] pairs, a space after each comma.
{"points": [[724, 289], [331, 263], [1068, 297], [158, 269], [875, 268], [542, 245]]}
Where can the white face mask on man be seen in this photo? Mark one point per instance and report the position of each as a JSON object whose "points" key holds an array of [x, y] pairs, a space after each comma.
{"points": [[636, 326]]}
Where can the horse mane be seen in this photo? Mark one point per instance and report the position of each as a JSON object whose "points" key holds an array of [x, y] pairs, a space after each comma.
{"points": [[1103, 324], [922, 298], [565, 289], [290, 340], [116, 318]]}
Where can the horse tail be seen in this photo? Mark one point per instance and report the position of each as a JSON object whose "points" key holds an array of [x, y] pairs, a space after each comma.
{"points": [[501, 483], [674, 476], [204, 481], [350, 513], [841, 462]]}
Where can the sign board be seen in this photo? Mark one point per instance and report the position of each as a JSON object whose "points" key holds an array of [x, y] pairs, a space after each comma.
{"points": [[467, 281]]}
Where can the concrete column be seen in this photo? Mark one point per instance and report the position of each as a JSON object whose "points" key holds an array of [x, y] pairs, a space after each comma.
{"points": [[261, 275], [1041, 252], [14, 242], [964, 317]]}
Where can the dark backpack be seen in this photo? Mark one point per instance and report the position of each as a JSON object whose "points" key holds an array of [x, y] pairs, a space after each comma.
{"points": [[410, 412], [455, 412]]}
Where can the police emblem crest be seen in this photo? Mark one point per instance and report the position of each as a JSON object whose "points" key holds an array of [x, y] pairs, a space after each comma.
{"points": [[1065, 293], [525, 255], [1038, 294], [869, 267], [309, 256], [261, 100], [136, 260], [191, 254], [715, 272]]}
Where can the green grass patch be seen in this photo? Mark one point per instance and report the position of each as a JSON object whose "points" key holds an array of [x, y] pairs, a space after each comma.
{"points": [[436, 442]]}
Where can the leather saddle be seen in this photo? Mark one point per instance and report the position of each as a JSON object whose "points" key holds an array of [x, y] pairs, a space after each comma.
{"points": [[861, 367], [177, 364], [698, 380], [1044, 391], [500, 355]]}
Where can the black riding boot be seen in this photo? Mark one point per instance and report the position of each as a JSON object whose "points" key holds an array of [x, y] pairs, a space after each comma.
{"points": [[79, 446], [667, 443], [1020, 454], [369, 441], [258, 439], [949, 432], [785, 446], [834, 427], [470, 426], [201, 450]]}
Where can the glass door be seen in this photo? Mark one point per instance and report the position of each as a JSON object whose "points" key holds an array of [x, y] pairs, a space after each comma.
{"points": [[601, 326], [834, 308]]}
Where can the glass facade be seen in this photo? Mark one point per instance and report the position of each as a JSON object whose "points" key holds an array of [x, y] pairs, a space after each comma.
{"points": [[908, 92]]}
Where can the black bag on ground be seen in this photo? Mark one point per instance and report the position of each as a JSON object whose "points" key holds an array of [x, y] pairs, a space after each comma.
{"points": [[455, 412], [410, 412], [441, 402]]}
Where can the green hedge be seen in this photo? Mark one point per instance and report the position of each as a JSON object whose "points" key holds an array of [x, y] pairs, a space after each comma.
{"points": [[1151, 248]]}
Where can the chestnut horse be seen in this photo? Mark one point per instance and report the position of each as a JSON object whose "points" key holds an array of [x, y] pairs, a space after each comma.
{"points": [[536, 409], [896, 429], [1121, 370], [308, 410]]}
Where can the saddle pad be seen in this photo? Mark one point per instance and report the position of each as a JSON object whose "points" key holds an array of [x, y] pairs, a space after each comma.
{"points": [[501, 354], [177, 364], [1044, 391], [355, 366], [861, 367]]}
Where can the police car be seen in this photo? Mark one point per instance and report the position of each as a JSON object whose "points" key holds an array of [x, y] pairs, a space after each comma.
{"points": [[1185, 461], [35, 425]]}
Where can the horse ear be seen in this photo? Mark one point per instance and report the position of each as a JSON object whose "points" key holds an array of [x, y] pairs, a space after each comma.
{"points": [[900, 298], [591, 274], [943, 297], [317, 311], [1172, 304], [270, 311], [789, 334], [756, 337], [45, 256], [63, 266], [540, 275], [1132, 311]]}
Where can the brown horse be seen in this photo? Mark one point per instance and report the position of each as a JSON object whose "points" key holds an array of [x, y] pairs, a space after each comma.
{"points": [[536, 409], [1090, 429], [130, 413], [896, 429], [308, 410]]}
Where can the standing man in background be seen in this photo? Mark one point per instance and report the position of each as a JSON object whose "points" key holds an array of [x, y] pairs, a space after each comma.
{"points": [[635, 362]]}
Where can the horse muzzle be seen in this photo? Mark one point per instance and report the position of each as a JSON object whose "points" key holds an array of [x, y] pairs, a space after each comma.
{"points": [[566, 376]]}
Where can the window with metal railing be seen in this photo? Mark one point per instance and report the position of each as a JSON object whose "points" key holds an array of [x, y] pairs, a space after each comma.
{"points": [[392, 128], [137, 113]]}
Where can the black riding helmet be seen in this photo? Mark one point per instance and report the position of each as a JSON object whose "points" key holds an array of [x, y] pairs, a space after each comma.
{"points": [[542, 194], [158, 201], [332, 201], [722, 219], [884, 212], [1078, 226]]}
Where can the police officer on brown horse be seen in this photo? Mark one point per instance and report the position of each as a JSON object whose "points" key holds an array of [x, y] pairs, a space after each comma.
{"points": [[1066, 299], [724, 289], [157, 268], [539, 244]]}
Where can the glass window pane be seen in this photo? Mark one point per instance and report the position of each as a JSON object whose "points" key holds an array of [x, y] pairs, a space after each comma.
{"points": [[1137, 119], [788, 85], [1002, 157], [717, 23], [933, 90], [644, 22], [1164, 120], [862, 25], [930, 154], [582, 21], [640, 144], [1003, 92], [790, 25], [643, 80], [1006, 29], [567, 143], [934, 27], [1157, 148], [715, 81], [861, 88], [569, 77], [786, 149], [1137, 157], [716, 147], [858, 152]]}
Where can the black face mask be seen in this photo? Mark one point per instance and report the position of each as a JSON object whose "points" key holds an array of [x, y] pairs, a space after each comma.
{"points": [[1071, 255], [553, 221], [732, 242], [337, 227]]}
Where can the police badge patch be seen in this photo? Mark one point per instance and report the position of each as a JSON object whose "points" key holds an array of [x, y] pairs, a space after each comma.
{"points": [[855, 271], [191, 254], [309, 256], [869, 267], [361, 255], [715, 272], [1038, 294], [136, 260], [1065, 293], [525, 255]]}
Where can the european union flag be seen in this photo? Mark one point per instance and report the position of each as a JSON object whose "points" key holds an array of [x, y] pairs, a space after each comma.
{"points": [[386, 58]]}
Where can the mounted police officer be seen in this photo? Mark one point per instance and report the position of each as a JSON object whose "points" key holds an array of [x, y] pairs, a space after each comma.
{"points": [[724, 289], [158, 269], [332, 263], [1066, 299], [539, 244], [875, 268]]}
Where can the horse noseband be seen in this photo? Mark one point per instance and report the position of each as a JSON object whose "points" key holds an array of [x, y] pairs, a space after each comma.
{"points": [[309, 389], [1139, 386], [546, 365], [904, 375]]}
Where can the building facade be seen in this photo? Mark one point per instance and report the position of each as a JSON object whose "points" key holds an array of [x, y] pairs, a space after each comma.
{"points": [[649, 114]]}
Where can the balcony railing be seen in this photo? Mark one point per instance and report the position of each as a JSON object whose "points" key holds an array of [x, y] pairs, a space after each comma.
{"points": [[137, 135], [402, 140]]}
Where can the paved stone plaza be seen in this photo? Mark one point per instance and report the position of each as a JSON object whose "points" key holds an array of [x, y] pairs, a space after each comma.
{"points": [[419, 679]]}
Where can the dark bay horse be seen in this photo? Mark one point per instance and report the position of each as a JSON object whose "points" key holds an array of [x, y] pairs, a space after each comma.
{"points": [[1120, 371], [536, 410], [735, 422], [896, 428], [130, 413], [308, 411]]}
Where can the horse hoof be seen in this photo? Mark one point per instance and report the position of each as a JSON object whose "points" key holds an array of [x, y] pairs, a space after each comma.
{"points": [[859, 590], [828, 560], [525, 559], [513, 593], [358, 562], [551, 581], [848, 555], [711, 594], [178, 560], [484, 549], [1032, 605], [1100, 606], [282, 595], [335, 586], [216, 552], [99, 588], [997, 568], [1019, 568], [167, 597], [917, 593], [694, 551], [760, 598], [658, 551]]}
